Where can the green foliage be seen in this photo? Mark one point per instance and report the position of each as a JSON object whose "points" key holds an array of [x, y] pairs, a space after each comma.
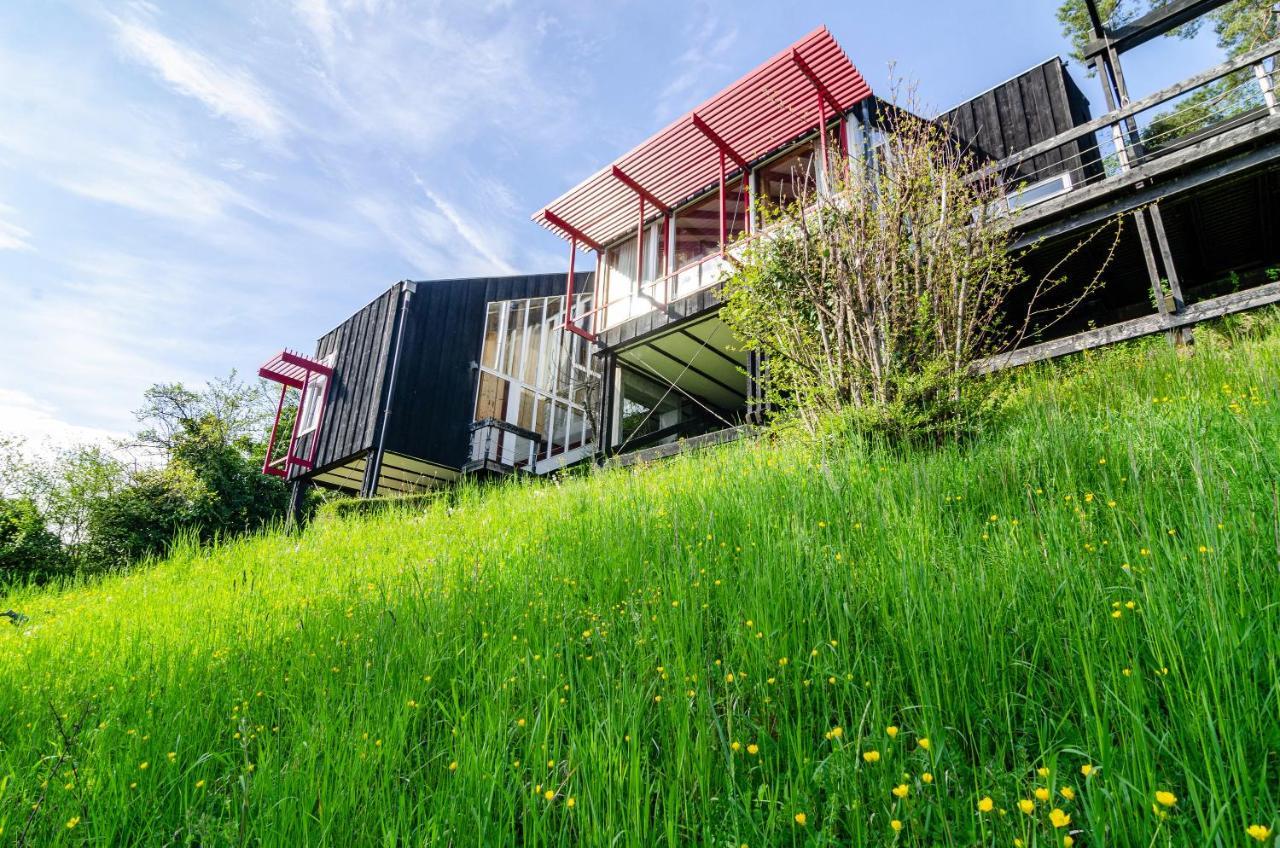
{"points": [[346, 507], [874, 300], [27, 549], [211, 487], [578, 638]]}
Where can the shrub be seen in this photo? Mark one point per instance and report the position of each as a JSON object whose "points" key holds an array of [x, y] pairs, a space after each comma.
{"points": [[27, 549]]}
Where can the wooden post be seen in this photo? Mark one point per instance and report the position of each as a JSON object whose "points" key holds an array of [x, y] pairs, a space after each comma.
{"points": [[1182, 335], [294, 518], [1267, 86]]}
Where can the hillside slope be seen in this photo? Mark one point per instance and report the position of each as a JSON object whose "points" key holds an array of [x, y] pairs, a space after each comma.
{"points": [[778, 643]]}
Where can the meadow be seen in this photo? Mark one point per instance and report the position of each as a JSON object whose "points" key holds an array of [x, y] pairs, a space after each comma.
{"points": [[1063, 632]]}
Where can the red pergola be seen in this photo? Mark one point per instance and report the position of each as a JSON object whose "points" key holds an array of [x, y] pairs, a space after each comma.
{"points": [[793, 93], [293, 371]]}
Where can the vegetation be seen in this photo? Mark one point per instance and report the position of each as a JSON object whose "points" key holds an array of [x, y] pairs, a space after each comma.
{"points": [[877, 297], [1062, 632], [1239, 26], [195, 471]]}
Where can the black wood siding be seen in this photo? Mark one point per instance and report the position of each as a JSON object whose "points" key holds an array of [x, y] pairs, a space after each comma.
{"points": [[361, 345], [434, 392], [434, 395], [1024, 111]]}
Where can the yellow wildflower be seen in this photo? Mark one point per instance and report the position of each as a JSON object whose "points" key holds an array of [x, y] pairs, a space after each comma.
{"points": [[926, 777], [1086, 769], [891, 730], [1166, 799], [896, 825], [1259, 832], [1027, 806], [1042, 794], [985, 804], [753, 749], [1058, 818], [871, 756], [901, 790], [802, 819], [924, 742], [1068, 793]]}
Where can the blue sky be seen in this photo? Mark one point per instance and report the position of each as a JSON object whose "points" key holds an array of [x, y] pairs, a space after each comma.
{"points": [[187, 186]]}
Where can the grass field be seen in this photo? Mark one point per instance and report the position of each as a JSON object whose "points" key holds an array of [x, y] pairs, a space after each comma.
{"points": [[775, 643]]}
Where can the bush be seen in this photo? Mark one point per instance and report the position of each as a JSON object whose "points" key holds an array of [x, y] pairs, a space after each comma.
{"points": [[875, 298], [27, 549]]}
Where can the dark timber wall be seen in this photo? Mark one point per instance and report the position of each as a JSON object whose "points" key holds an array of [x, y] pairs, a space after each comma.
{"points": [[432, 400], [1027, 110], [434, 397]]}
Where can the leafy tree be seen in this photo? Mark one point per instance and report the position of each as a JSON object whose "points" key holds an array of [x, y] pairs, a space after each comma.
{"points": [[27, 548]]}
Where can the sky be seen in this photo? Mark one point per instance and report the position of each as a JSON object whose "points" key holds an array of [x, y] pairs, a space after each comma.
{"points": [[188, 186]]}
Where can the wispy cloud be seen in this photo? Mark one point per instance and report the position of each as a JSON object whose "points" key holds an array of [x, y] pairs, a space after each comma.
{"points": [[231, 93], [12, 237], [710, 44], [475, 236]]}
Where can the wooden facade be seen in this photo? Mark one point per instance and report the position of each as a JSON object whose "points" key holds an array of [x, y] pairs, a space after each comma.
{"points": [[403, 389], [1030, 108]]}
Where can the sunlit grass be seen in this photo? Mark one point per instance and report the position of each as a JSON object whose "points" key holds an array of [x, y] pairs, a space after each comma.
{"points": [[1078, 611]]}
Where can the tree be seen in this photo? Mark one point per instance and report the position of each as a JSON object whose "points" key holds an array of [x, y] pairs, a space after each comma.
{"points": [[1240, 27], [27, 548], [877, 297], [241, 411]]}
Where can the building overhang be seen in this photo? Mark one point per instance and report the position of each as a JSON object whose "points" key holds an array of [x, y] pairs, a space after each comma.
{"points": [[786, 97]]}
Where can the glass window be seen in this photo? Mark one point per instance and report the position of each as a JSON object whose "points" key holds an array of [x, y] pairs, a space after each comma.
{"points": [[491, 401], [535, 332], [788, 178], [492, 324], [698, 224], [515, 337], [313, 400]]}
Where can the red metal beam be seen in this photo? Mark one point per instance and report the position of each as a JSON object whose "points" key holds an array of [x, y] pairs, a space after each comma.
{"points": [[573, 231], [568, 294], [720, 143], [626, 180], [822, 89]]}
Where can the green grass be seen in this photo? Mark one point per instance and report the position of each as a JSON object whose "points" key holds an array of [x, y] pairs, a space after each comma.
{"points": [[619, 640]]}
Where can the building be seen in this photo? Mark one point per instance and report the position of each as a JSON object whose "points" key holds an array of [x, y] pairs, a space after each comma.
{"points": [[387, 401], [655, 363]]}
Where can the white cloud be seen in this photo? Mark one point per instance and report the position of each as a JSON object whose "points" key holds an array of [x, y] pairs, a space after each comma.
{"points": [[710, 44], [12, 236], [476, 238], [43, 426], [232, 94]]}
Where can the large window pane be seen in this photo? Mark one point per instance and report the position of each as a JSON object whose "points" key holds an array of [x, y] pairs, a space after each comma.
{"points": [[492, 323], [787, 178], [491, 401], [698, 225]]}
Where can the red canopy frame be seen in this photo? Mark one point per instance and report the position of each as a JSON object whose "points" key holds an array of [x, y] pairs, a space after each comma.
{"points": [[294, 371], [758, 115]]}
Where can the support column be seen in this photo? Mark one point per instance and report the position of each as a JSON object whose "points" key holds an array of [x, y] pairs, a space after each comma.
{"points": [[295, 518], [608, 391], [757, 405], [372, 469], [1178, 336]]}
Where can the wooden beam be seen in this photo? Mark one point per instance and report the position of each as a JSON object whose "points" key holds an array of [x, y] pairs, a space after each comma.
{"points": [[818, 85], [1203, 78], [719, 437], [1205, 310], [1053, 209], [1154, 24]]}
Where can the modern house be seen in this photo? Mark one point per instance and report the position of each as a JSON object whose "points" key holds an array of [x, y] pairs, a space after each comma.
{"points": [[387, 402], [649, 360]]}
